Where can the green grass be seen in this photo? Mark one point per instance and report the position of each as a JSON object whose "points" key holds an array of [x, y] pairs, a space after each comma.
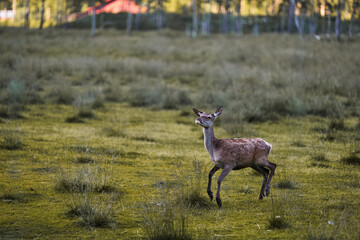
{"points": [[129, 172]]}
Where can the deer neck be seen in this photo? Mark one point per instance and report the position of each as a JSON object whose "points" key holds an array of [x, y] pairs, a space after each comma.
{"points": [[209, 138]]}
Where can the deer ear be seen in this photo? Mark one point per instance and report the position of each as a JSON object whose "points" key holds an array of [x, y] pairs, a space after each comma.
{"points": [[197, 112], [218, 111]]}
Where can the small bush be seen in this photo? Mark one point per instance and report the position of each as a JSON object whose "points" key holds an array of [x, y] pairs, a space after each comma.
{"points": [[352, 159], [85, 159], [337, 124], [74, 119], [298, 143], [85, 113], [163, 220], [278, 222], [11, 111], [116, 128], [62, 95], [98, 103], [18, 197], [84, 180], [320, 157], [91, 210], [277, 219], [192, 197], [158, 95], [11, 139], [286, 184]]}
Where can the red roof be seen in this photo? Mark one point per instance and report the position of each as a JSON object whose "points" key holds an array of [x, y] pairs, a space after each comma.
{"points": [[116, 6]]}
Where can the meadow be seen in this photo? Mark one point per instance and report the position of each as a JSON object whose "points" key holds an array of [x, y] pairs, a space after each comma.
{"points": [[98, 139]]}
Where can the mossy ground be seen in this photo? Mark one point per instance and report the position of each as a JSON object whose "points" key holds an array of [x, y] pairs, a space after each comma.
{"points": [[137, 166]]}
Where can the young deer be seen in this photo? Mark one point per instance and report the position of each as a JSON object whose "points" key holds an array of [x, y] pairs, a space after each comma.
{"points": [[234, 154]]}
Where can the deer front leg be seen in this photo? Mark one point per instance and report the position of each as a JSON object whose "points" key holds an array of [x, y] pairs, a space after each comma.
{"points": [[225, 172], [211, 173]]}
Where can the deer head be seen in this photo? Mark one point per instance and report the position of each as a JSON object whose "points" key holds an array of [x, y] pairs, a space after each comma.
{"points": [[206, 120]]}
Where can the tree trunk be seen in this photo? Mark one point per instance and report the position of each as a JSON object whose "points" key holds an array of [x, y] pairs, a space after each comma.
{"points": [[93, 20], [194, 20], [338, 21], [138, 18], [14, 10], [42, 14], [238, 24], [27, 13], [159, 15], [129, 20], [283, 18], [291, 15], [352, 19]]}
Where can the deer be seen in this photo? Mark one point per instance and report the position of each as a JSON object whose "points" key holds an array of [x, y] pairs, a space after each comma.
{"points": [[234, 154]]}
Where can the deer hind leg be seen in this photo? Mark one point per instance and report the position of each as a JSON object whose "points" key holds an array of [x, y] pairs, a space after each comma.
{"points": [[211, 173], [265, 173], [272, 167]]}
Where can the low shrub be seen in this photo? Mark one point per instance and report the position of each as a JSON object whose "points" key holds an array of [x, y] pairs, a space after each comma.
{"points": [[352, 159], [337, 124], [85, 113], [11, 138], [91, 210], [74, 119], [84, 159], [163, 220], [88, 179], [286, 184], [278, 219], [62, 95], [159, 95]]}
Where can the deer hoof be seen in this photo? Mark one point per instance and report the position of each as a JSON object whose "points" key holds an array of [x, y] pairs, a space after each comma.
{"points": [[211, 196], [267, 191], [218, 200]]}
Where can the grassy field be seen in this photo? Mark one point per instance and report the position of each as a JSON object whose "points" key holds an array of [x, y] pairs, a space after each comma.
{"points": [[98, 139]]}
